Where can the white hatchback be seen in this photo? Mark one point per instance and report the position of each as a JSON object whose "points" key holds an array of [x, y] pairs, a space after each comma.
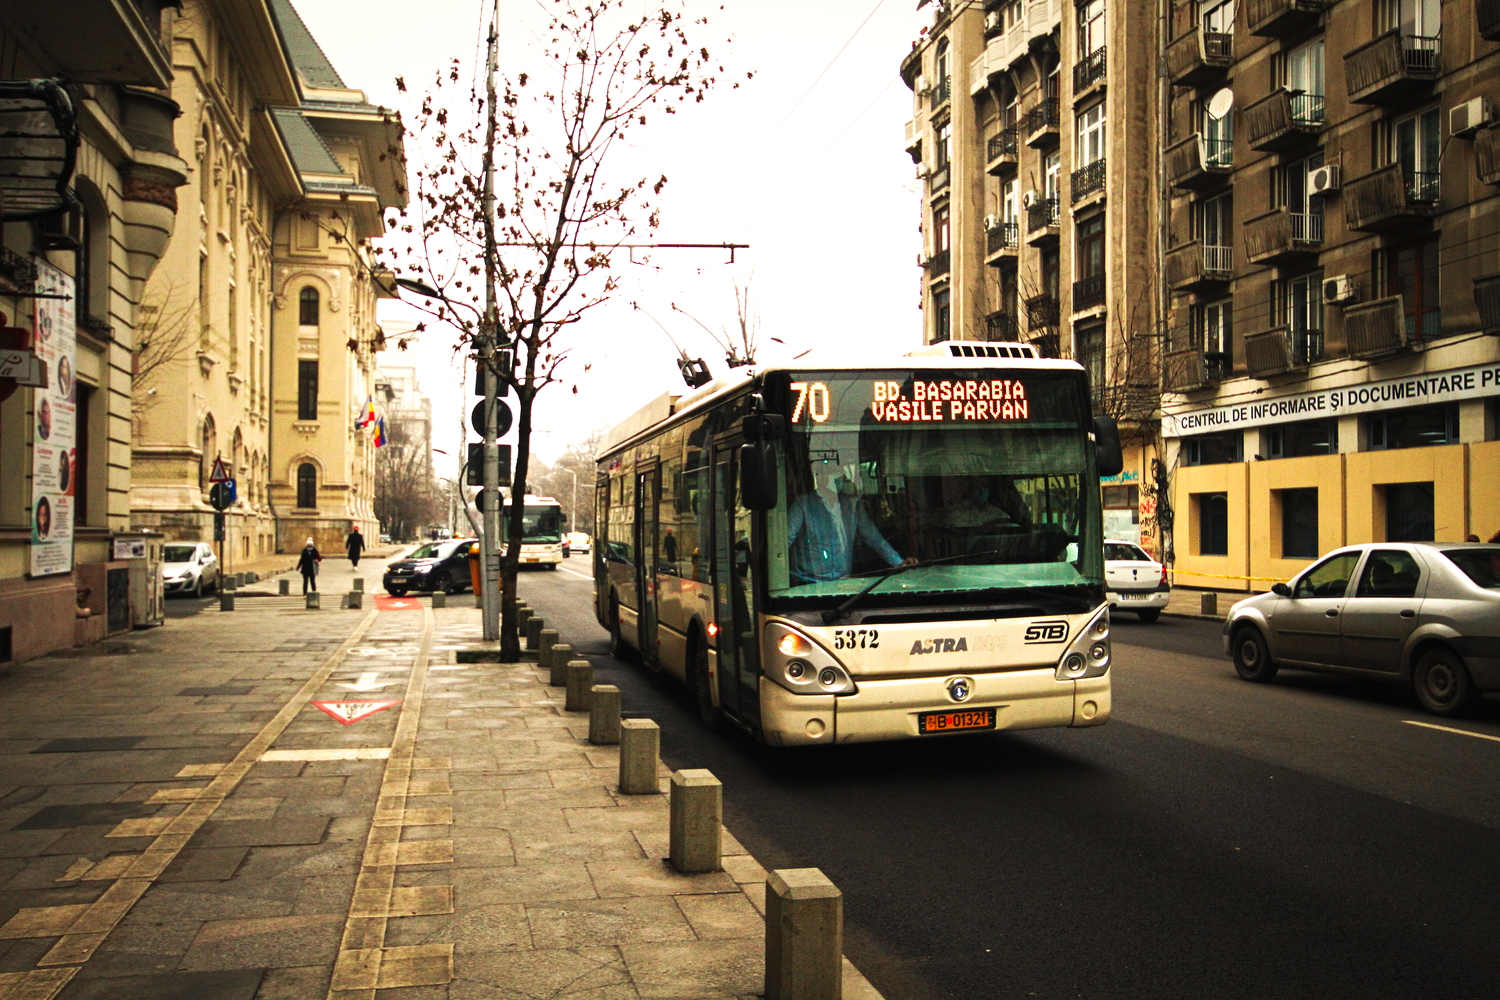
{"points": [[1133, 581], [190, 568]]}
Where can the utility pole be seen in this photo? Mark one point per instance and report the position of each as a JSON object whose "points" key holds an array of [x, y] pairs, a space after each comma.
{"points": [[573, 510], [489, 562]]}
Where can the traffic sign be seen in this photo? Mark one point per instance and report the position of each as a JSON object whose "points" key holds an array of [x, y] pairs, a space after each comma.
{"points": [[222, 495], [220, 472], [502, 417], [218, 526], [348, 712]]}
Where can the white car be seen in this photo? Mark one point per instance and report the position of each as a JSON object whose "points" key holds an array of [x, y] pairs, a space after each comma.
{"points": [[578, 541], [190, 568], [1133, 581]]}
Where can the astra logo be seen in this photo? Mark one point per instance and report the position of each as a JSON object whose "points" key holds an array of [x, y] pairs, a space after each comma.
{"points": [[1047, 632], [959, 645]]}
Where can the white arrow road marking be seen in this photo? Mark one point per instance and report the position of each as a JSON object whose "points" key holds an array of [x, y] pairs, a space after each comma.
{"points": [[366, 682]]}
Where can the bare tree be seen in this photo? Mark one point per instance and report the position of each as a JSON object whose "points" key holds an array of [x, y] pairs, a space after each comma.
{"points": [[559, 482], [559, 216], [406, 495], [166, 335]]}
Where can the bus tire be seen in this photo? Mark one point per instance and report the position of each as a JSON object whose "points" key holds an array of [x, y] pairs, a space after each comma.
{"points": [[618, 647], [711, 714]]}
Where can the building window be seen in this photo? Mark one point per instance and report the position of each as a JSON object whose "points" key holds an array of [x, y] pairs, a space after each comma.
{"points": [[1300, 305], [81, 418], [1218, 137], [1411, 272], [1415, 142], [1215, 222], [1091, 127], [307, 485], [1305, 208], [1418, 18], [1089, 351], [1214, 449], [1302, 75], [1051, 170], [1299, 523], [307, 390], [1215, 334], [307, 307], [1211, 512], [1306, 437], [1091, 27], [1090, 288], [1408, 512], [209, 442], [1422, 427], [942, 319], [1218, 16]]}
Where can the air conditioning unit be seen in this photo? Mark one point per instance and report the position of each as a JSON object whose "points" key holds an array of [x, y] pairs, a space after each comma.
{"points": [[1031, 198], [1470, 116], [1323, 180], [921, 86], [991, 222], [992, 20], [1340, 289]]}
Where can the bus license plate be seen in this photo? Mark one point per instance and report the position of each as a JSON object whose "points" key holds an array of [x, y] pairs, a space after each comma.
{"points": [[950, 722]]}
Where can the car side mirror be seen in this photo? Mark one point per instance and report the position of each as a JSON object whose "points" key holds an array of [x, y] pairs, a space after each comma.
{"points": [[1108, 456], [758, 476], [1281, 590]]}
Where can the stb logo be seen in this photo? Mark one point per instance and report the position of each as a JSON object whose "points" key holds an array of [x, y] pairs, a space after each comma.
{"points": [[1047, 632], [960, 688]]}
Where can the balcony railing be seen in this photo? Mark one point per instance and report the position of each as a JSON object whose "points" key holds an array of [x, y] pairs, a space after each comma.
{"points": [[1195, 368], [1196, 162], [1090, 70], [1002, 325], [1283, 119], [1088, 292], [1198, 57], [939, 263], [1390, 199], [1088, 180], [1005, 236], [1376, 328], [1487, 301], [1487, 15], [941, 91], [1041, 312], [1194, 265], [1487, 153], [1042, 120], [1041, 215], [1281, 350], [1002, 145], [1276, 18], [1283, 237], [1393, 66]]}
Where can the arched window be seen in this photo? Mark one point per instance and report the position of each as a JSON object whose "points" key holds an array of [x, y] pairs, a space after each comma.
{"points": [[210, 445], [308, 307], [307, 485]]}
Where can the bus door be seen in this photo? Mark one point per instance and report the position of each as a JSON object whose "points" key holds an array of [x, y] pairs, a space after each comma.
{"points": [[647, 487], [734, 594]]}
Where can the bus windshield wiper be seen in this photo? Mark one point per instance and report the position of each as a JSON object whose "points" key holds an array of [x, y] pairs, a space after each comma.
{"points": [[829, 617]]}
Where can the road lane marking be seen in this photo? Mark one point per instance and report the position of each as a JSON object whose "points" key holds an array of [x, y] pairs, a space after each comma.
{"points": [[1450, 729], [78, 943], [342, 753], [579, 575]]}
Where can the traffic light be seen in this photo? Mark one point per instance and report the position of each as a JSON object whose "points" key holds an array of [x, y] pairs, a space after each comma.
{"points": [[474, 472]]}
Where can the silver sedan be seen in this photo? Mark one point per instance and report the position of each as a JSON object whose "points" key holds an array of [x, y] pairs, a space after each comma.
{"points": [[1420, 613]]}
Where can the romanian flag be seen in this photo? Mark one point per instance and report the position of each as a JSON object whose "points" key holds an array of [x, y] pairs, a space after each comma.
{"points": [[380, 432], [367, 416]]}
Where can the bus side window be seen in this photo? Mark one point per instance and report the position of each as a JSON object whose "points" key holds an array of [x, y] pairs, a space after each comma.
{"points": [[694, 561], [669, 543]]}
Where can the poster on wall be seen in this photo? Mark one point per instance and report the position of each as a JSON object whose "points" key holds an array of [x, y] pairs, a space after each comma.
{"points": [[53, 453]]}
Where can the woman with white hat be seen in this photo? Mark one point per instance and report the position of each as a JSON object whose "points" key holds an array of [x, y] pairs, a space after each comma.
{"points": [[307, 565]]}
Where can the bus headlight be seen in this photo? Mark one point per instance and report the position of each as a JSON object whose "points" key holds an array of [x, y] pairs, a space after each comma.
{"points": [[1088, 655], [802, 666]]}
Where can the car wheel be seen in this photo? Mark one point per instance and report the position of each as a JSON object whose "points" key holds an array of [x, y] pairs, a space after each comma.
{"points": [[198, 589], [712, 717], [1149, 615], [396, 591], [1252, 658], [442, 582], [1442, 682]]}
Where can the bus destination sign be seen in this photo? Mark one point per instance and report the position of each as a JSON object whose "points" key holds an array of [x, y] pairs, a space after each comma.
{"points": [[957, 400]]}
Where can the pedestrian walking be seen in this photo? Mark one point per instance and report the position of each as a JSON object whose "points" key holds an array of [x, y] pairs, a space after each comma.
{"points": [[354, 546], [307, 565]]}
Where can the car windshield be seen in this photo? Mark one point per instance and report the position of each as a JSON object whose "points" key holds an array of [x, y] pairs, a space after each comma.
{"points": [[179, 553], [1480, 565], [539, 524], [435, 550], [1121, 552]]}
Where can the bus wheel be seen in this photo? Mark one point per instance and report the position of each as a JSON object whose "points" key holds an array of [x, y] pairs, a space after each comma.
{"points": [[712, 717], [617, 645]]}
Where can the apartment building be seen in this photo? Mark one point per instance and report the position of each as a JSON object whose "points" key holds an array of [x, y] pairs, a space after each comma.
{"points": [[1334, 267], [1035, 134]]}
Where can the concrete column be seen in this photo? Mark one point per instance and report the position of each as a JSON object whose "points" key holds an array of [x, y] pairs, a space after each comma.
{"points": [[546, 639], [439, 599], [313, 600], [640, 749], [697, 810], [580, 678], [226, 600], [804, 936], [604, 714], [534, 633], [284, 587]]}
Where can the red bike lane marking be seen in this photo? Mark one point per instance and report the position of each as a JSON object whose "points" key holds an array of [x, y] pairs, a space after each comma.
{"points": [[385, 602]]}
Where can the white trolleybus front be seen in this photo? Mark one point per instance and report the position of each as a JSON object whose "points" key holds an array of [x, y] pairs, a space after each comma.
{"points": [[850, 552], [541, 531]]}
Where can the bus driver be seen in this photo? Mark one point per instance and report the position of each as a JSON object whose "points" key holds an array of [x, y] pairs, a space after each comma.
{"points": [[822, 525]]}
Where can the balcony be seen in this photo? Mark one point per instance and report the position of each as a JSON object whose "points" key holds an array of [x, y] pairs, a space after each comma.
{"points": [[1002, 326], [1283, 120], [1376, 328], [1282, 238], [938, 264], [1089, 70], [1000, 151], [1041, 222], [1391, 67], [938, 179], [1487, 14], [1487, 300], [1279, 18], [1390, 199], [1487, 153], [1041, 312], [1041, 123], [1194, 266], [1195, 369], [1199, 57], [941, 92], [1002, 242], [1196, 162], [1088, 292], [1042, 17], [1089, 180], [1281, 350]]}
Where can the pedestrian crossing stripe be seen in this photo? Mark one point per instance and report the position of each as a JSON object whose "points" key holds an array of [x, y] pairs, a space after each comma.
{"points": [[348, 712]]}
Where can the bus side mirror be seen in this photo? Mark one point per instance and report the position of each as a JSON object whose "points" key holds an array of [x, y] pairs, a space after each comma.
{"points": [[758, 476], [1281, 590], [1107, 453]]}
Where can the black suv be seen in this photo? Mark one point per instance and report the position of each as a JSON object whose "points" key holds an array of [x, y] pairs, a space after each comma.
{"points": [[436, 566]]}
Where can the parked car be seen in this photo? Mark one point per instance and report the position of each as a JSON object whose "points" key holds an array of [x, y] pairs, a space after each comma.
{"points": [[578, 541], [435, 566], [190, 568], [385, 539], [1420, 613], [1133, 581]]}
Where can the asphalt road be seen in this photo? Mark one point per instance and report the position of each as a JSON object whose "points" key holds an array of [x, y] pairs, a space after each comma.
{"points": [[1215, 839]]}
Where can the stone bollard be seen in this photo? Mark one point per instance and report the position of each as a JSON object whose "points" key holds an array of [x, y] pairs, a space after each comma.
{"points": [[534, 627], [359, 584], [1208, 603], [523, 614], [226, 600], [580, 678], [697, 810], [640, 749], [284, 587], [314, 602], [557, 664], [804, 936], [227, 583], [356, 599], [439, 599], [546, 639], [604, 714], [239, 580], [252, 578]]}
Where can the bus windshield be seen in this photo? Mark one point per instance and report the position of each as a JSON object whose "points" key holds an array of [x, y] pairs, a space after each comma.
{"points": [[988, 473], [540, 524]]}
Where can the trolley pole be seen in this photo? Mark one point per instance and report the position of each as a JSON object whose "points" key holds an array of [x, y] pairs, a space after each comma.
{"points": [[489, 557]]}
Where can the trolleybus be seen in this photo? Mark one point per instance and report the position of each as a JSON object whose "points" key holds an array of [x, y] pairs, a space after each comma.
{"points": [[541, 531], [847, 552]]}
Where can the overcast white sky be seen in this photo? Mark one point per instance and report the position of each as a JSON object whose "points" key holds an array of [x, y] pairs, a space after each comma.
{"points": [[828, 202]]}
